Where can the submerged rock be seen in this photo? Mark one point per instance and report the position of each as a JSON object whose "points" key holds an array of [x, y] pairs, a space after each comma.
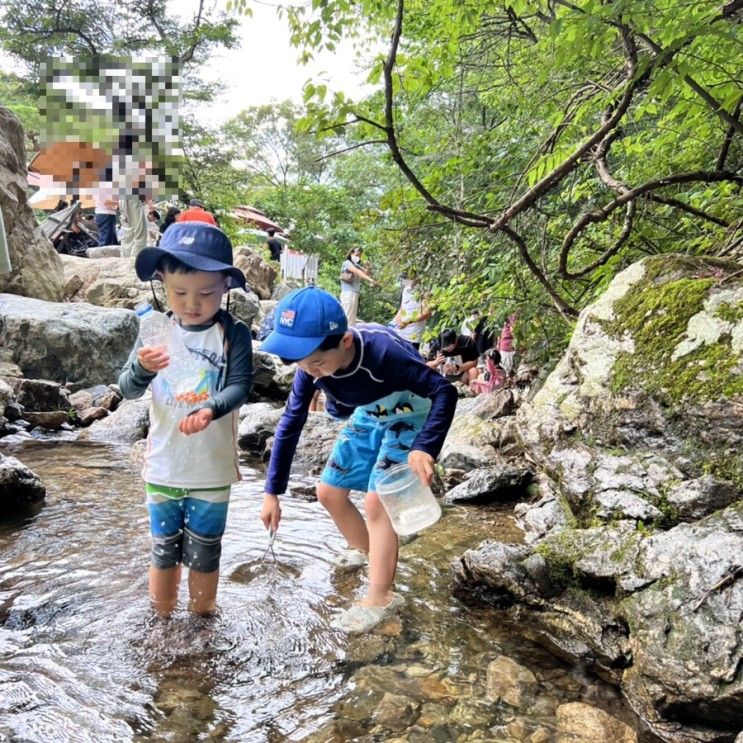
{"points": [[582, 723], [509, 681], [20, 489]]}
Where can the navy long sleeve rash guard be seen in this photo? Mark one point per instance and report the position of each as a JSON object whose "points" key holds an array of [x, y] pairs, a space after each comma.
{"points": [[383, 363]]}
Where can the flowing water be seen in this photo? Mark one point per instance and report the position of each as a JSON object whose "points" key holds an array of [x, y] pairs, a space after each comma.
{"points": [[83, 659]]}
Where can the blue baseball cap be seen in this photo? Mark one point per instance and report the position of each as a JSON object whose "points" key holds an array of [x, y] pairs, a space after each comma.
{"points": [[199, 245], [303, 319]]}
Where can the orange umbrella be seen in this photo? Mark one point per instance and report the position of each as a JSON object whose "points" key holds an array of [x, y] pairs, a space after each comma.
{"points": [[254, 216], [77, 164]]}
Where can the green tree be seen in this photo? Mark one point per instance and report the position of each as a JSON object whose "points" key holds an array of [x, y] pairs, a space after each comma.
{"points": [[545, 145]]}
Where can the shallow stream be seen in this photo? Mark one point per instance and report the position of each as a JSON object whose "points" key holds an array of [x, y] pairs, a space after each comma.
{"points": [[83, 659]]}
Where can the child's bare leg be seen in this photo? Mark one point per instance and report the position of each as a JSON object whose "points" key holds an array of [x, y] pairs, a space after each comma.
{"points": [[164, 588], [202, 590], [383, 545], [346, 516]]}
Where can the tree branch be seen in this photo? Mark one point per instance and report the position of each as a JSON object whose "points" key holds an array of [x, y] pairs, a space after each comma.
{"points": [[630, 83], [676, 204], [629, 195], [187, 56], [725, 149], [348, 149], [565, 309], [389, 116]]}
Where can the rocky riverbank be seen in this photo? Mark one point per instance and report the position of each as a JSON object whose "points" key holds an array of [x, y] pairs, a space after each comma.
{"points": [[625, 468], [634, 548]]}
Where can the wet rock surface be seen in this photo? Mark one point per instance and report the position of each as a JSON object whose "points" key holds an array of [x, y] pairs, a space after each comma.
{"points": [[257, 423], [491, 484], [21, 490]]}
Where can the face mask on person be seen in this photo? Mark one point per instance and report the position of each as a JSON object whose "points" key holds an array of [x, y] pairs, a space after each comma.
{"points": [[355, 259]]}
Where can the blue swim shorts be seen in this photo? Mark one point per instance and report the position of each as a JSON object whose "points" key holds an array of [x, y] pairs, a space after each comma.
{"points": [[187, 526], [376, 437]]}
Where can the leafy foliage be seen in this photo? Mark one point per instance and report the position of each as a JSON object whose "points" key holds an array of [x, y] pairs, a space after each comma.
{"points": [[521, 126]]}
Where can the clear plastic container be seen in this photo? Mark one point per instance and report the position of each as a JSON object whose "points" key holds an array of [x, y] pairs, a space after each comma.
{"points": [[409, 503], [154, 327]]}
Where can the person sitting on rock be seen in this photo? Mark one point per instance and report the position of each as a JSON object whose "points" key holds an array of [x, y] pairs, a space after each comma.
{"points": [[398, 409], [492, 377], [188, 487], [455, 356]]}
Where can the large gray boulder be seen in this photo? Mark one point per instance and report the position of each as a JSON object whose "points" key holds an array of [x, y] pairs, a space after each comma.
{"points": [[78, 345], [244, 305], [260, 274], [36, 270], [496, 483], [633, 557]]}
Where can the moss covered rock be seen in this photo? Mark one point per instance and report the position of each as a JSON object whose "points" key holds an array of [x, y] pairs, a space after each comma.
{"points": [[637, 438]]}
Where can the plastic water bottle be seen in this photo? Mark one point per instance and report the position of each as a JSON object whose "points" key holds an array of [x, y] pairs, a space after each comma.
{"points": [[409, 503], [154, 327], [185, 374]]}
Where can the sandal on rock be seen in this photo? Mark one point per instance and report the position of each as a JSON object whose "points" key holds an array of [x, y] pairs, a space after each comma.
{"points": [[359, 618], [350, 559]]}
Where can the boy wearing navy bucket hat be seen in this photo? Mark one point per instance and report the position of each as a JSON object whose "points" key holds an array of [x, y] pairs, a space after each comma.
{"points": [[188, 487], [398, 409]]}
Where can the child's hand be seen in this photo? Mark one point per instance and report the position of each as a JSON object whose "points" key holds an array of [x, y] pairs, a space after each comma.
{"points": [[196, 422], [422, 464], [271, 511], [153, 358]]}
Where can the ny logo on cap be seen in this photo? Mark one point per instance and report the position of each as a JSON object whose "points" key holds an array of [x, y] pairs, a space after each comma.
{"points": [[287, 318]]}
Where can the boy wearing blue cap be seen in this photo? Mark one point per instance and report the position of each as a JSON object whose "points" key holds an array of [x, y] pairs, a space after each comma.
{"points": [[398, 410], [188, 488]]}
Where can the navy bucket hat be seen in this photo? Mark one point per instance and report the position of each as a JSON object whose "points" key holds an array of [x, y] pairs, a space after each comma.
{"points": [[198, 245]]}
